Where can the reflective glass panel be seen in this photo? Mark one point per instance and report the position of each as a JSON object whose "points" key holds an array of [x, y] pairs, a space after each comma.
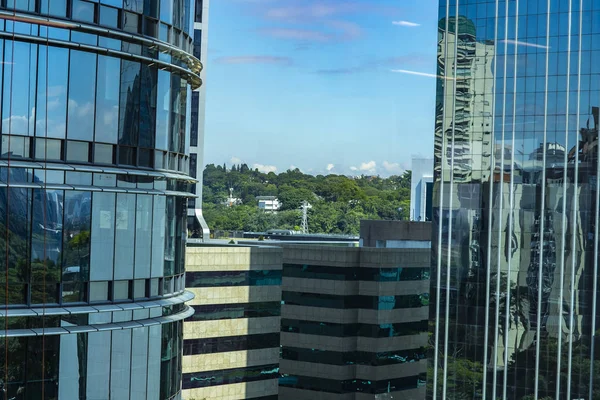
{"points": [[18, 93], [51, 109], [107, 99], [82, 87]]}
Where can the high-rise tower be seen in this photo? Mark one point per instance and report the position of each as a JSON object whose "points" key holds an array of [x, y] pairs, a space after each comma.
{"points": [[515, 249], [94, 180], [196, 223]]}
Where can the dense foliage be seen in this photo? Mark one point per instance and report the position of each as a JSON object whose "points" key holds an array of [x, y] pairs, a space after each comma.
{"points": [[338, 202]]}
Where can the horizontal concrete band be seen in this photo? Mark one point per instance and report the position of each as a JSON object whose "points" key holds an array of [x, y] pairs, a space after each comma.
{"points": [[99, 327], [230, 327], [180, 298], [235, 295], [234, 391]]}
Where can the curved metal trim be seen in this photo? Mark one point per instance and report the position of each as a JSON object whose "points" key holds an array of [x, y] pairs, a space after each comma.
{"points": [[193, 62], [187, 312], [183, 297]]}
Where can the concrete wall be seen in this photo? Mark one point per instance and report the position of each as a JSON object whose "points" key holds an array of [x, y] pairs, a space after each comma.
{"points": [[372, 231]]}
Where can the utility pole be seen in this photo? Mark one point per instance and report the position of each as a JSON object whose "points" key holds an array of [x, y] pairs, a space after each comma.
{"points": [[304, 207]]}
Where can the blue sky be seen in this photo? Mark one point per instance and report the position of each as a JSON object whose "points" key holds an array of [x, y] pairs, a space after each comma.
{"points": [[314, 84]]}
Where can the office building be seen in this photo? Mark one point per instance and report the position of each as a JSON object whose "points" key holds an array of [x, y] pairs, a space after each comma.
{"points": [[421, 189], [515, 249], [231, 342], [354, 319], [93, 195], [196, 224]]}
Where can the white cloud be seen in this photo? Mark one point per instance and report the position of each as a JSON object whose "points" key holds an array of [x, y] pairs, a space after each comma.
{"points": [[353, 169], [235, 160], [392, 168], [330, 167], [406, 23], [265, 168], [405, 71], [369, 167]]}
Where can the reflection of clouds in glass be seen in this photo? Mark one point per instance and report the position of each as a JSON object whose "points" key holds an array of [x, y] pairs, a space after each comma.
{"points": [[18, 124], [81, 120]]}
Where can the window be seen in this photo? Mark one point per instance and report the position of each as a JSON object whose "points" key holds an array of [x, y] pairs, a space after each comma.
{"points": [[198, 11], [51, 106], [82, 86], [198, 44], [83, 11], [107, 99]]}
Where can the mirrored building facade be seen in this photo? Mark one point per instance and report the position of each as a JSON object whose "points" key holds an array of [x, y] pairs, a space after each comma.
{"points": [[515, 249], [95, 101]]}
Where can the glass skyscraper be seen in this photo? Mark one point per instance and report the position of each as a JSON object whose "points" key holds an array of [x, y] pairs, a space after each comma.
{"points": [[95, 103], [514, 310]]}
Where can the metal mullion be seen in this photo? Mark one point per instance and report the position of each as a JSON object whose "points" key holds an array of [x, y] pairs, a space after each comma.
{"points": [[564, 208], [511, 204], [542, 211], [595, 276], [449, 253], [575, 200], [490, 213], [500, 212], [440, 212]]}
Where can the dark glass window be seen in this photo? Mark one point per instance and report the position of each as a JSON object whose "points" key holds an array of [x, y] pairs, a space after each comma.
{"points": [[129, 103], [193, 165], [163, 110], [356, 301], [198, 11], [16, 217], [229, 376], [27, 376], [76, 254], [82, 88], [230, 343], [147, 106], [151, 8], [194, 120], [352, 385], [233, 278], [229, 311], [46, 246], [352, 357], [198, 44], [350, 330], [355, 273]]}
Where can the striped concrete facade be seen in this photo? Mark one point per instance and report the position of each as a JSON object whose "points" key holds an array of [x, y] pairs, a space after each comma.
{"points": [[231, 343], [354, 323]]}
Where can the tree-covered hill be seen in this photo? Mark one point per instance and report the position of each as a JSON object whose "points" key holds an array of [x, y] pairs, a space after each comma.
{"points": [[338, 202]]}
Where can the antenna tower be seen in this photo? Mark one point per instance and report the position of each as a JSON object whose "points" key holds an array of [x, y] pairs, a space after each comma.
{"points": [[305, 206]]}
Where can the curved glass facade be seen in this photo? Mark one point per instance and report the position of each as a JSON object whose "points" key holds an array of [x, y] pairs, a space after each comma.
{"points": [[95, 103], [515, 250]]}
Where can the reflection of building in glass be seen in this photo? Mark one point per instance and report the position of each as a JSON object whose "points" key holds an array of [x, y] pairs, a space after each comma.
{"points": [[354, 319], [421, 189], [196, 224], [94, 181], [515, 250]]}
